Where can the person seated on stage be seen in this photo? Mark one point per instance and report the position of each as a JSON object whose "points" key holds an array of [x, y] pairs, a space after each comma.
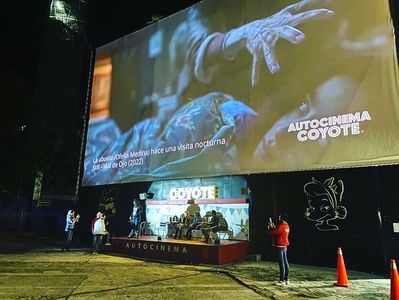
{"points": [[172, 226], [211, 226], [183, 224], [196, 223]]}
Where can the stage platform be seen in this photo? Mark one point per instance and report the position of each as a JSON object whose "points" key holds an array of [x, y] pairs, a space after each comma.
{"points": [[184, 251]]}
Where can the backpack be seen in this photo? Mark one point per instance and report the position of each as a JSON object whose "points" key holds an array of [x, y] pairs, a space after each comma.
{"points": [[223, 226]]}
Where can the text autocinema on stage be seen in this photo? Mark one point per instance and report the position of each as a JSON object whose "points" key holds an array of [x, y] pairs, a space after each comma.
{"points": [[155, 247]]}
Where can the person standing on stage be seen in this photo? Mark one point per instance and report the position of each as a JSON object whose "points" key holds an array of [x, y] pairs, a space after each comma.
{"points": [[135, 218], [281, 242], [71, 220]]}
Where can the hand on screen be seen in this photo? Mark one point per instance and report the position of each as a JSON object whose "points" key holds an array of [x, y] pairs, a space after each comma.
{"points": [[260, 36]]}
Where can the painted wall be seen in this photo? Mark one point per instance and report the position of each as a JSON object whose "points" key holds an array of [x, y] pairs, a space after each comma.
{"points": [[361, 221]]}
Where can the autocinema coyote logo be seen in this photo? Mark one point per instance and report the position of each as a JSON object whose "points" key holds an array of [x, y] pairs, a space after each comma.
{"points": [[324, 203], [333, 126]]}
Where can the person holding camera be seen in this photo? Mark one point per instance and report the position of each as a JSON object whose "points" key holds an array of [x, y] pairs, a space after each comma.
{"points": [[280, 241], [71, 219]]}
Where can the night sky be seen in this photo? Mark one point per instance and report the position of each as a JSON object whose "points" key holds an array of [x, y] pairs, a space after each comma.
{"points": [[41, 126], [107, 24]]}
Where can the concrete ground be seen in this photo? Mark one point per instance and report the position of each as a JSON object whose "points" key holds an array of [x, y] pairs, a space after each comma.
{"points": [[39, 270]]}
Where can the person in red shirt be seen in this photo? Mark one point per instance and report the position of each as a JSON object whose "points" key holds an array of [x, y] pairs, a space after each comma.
{"points": [[280, 240]]}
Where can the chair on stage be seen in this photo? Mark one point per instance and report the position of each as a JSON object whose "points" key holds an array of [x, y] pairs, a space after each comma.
{"points": [[224, 234], [196, 233], [162, 228], [145, 229], [243, 230]]}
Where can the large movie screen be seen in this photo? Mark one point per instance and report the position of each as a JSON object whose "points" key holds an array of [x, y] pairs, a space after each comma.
{"points": [[246, 86]]}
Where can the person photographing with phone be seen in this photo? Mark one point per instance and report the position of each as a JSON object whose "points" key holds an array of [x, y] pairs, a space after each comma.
{"points": [[280, 233], [71, 219]]}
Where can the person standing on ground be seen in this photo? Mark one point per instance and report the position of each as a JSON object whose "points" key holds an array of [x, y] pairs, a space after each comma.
{"points": [[135, 218], [107, 236], [98, 231], [281, 242], [71, 220]]}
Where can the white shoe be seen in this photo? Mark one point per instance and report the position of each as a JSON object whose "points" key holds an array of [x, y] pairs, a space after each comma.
{"points": [[287, 282]]}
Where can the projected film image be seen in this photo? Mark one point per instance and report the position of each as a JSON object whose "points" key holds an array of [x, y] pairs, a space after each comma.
{"points": [[242, 87]]}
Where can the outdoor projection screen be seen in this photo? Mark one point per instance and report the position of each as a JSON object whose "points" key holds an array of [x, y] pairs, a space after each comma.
{"points": [[241, 87]]}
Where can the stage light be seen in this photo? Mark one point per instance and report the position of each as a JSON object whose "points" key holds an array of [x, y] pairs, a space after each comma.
{"points": [[216, 192]]}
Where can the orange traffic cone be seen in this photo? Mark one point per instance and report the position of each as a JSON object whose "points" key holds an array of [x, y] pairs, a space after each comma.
{"points": [[342, 278], [394, 281]]}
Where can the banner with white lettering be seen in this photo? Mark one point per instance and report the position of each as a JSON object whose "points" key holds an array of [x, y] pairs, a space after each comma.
{"points": [[258, 86]]}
